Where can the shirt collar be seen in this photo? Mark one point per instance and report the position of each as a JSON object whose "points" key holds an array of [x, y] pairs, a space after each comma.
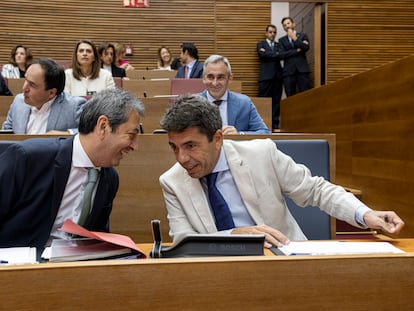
{"points": [[79, 156], [221, 164], [45, 107], [223, 98]]}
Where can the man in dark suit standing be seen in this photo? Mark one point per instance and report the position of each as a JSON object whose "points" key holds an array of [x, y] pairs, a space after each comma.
{"points": [[190, 68], [293, 47], [270, 76], [42, 180]]}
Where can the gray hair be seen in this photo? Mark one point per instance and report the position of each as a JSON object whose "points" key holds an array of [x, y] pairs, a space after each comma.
{"points": [[116, 104], [192, 111], [213, 59]]}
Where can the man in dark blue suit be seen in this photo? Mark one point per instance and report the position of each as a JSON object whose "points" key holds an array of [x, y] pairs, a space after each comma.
{"points": [[190, 68], [42, 179], [293, 47], [270, 75]]}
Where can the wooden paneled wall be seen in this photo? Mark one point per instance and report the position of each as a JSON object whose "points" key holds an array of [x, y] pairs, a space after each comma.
{"points": [[361, 34], [372, 115], [52, 28]]}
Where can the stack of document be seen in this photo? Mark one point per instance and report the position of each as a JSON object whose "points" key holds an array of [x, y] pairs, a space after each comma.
{"points": [[337, 248], [91, 245], [87, 249]]}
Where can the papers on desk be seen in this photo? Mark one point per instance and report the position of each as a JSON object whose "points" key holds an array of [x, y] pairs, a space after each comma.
{"points": [[338, 248], [98, 245], [87, 249], [17, 255]]}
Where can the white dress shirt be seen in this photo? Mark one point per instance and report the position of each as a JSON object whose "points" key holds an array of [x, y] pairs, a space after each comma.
{"points": [[222, 107], [71, 204], [37, 123]]}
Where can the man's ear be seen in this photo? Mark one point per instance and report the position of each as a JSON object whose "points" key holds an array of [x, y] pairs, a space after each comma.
{"points": [[218, 137], [102, 126], [52, 93]]}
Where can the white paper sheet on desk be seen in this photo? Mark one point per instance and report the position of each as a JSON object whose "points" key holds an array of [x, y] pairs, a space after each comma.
{"points": [[18, 255], [338, 248]]}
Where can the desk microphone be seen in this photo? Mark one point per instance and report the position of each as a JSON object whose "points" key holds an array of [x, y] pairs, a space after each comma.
{"points": [[156, 234]]}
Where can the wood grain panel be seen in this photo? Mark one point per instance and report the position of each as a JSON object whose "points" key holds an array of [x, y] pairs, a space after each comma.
{"points": [[373, 119]]}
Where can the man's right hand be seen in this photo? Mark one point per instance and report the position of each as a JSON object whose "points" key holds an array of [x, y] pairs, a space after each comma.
{"points": [[273, 237]]}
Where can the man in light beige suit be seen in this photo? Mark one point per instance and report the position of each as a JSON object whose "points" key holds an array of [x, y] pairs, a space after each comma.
{"points": [[252, 178]]}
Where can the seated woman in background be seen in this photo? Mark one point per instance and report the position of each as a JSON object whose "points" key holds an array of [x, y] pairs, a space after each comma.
{"points": [[107, 54], [164, 58], [120, 54], [85, 77], [20, 58]]}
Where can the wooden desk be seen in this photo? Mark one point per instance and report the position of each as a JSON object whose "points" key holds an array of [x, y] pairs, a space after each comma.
{"points": [[352, 282]]}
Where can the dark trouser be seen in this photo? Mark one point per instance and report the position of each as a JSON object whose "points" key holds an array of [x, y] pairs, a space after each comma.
{"points": [[272, 88], [296, 83]]}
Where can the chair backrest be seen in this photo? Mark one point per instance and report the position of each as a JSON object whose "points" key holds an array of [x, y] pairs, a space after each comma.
{"points": [[314, 154], [15, 85]]}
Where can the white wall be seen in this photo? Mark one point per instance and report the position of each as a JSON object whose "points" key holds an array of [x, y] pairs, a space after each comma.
{"points": [[279, 10]]}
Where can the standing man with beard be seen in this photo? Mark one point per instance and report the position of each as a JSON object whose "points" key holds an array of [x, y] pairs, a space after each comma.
{"points": [[293, 47], [270, 76], [191, 68]]}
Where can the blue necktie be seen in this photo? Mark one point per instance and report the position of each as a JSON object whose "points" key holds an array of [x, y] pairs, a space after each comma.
{"points": [[221, 211]]}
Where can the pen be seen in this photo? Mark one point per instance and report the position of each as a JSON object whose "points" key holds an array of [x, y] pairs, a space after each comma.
{"points": [[3, 261]]}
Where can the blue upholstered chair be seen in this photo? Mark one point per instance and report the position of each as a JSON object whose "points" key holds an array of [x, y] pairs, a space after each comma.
{"points": [[314, 154]]}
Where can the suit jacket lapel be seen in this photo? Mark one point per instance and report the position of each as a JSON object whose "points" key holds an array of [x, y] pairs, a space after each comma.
{"points": [[244, 180], [23, 118], [232, 108], [199, 202], [55, 112], [61, 168]]}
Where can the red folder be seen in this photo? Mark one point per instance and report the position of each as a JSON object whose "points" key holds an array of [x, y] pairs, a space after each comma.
{"points": [[118, 239]]}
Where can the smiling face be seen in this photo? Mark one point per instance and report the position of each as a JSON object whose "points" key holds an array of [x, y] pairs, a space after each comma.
{"points": [[216, 79], [114, 145], [194, 152], [165, 56]]}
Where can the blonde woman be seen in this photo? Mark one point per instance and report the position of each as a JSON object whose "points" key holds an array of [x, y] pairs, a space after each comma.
{"points": [[120, 54]]}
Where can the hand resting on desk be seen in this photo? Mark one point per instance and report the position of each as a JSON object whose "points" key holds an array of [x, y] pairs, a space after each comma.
{"points": [[387, 221], [273, 237]]}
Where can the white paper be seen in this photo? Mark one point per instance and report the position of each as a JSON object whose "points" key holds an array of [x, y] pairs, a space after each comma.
{"points": [[18, 255], [338, 248]]}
